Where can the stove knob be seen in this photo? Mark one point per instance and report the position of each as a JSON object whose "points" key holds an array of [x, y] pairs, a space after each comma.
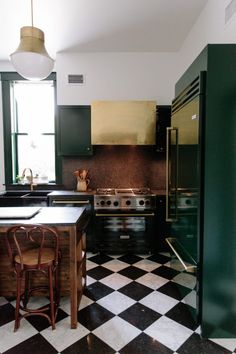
{"points": [[116, 203], [102, 202], [147, 202], [141, 202], [108, 202], [128, 202]]}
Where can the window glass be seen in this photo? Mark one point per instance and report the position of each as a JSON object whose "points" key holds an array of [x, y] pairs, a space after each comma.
{"points": [[37, 152], [33, 129], [35, 107]]}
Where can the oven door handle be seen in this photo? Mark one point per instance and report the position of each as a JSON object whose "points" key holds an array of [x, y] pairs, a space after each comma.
{"points": [[70, 202], [128, 215]]}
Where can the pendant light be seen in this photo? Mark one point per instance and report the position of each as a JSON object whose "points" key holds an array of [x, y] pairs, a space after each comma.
{"points": [[31, 59]]}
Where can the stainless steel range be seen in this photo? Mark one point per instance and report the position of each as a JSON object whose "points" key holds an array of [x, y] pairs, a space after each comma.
{"points": [[124, 199], [124, 219]]}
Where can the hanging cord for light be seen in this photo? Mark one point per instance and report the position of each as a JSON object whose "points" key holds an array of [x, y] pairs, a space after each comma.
{"points": [[31, 59], [32, 14]]}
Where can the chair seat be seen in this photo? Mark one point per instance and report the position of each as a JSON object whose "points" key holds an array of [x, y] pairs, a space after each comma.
{"points": [[30, 257]]}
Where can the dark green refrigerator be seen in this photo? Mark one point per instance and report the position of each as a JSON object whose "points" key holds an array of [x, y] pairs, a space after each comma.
{"points": [[201, 186], [183, 171]]}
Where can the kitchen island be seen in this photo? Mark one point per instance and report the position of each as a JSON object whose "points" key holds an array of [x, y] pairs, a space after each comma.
{"points": [[71, 224]]}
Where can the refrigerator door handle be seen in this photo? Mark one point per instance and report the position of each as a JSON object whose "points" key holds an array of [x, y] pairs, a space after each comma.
{"points": [[168, 130]]}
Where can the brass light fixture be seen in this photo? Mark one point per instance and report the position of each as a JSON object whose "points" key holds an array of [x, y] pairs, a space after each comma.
{"points": [[31, 59]]}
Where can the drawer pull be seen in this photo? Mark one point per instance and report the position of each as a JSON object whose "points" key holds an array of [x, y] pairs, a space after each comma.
{"points": [[70, 202]]}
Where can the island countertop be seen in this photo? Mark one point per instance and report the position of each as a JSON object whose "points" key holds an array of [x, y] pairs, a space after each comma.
{"points": [[70, 224], [47, 216]]}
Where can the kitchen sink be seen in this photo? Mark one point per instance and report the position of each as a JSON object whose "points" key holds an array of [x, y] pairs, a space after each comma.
{"points": [[36, 194], [24, 194], [14, 194]]}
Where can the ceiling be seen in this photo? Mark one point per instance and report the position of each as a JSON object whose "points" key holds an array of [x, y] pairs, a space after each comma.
{"points": [[100, 25]]}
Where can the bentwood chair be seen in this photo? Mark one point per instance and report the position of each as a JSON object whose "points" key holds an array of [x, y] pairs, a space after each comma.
{"points": [[34, 250]]}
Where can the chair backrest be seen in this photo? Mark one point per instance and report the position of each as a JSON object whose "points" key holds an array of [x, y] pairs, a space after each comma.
{"points": [[20, 238]]}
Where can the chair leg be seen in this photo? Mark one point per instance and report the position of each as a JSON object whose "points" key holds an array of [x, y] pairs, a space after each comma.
{"points": [[27, 288], [18, 295], [57, 287], [52, 303]]}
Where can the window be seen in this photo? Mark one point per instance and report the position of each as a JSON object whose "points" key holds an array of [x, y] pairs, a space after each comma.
{"points": [[29, 128]]}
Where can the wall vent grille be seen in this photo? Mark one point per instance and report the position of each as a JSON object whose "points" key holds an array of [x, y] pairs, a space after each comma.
{"points": [[76, 79], [230, 10]]}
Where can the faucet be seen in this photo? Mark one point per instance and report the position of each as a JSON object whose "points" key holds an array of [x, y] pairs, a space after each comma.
{"points": [[31, 177]]}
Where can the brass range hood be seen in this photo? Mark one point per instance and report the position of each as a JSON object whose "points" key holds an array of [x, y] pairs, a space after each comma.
{"points": [[123, 122]]}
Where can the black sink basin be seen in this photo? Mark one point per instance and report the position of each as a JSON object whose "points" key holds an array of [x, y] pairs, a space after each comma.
{"points": [[36, 194], [14, 194]]}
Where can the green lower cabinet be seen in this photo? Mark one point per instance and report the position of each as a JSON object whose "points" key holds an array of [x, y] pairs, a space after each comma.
{"points": [[74, 131]]}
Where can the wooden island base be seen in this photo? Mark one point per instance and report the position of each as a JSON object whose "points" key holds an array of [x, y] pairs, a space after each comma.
{"points": [[71, 224]]}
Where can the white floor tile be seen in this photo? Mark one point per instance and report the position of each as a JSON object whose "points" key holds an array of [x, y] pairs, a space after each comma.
{"points": [[185, 279], [90, 264], [228, 343], [64, 336], [175, 264], [65, 303], [85, 301], [9, 338], [147, 265], [115, 265], [190, 299], [153, 281], [159, 302], [116, 302], [116, 281], [90, 280], [116, 333], [168, 332]]}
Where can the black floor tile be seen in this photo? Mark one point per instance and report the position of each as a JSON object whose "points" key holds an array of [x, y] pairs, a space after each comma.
{"points": [[7, 314], [145, 344], [89, 344], [174, 290], [34, 345], [195, 344], [99, 272], [132, 272], [159, 258], [165, 272], [100, 258], [135, 290], [130, 258], [139, 316], [40, 323], [93, 316], [183, 314], [97, 290]]}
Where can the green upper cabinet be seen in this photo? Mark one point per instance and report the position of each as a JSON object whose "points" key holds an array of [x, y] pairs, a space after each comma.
{"points": [[74, 131]]}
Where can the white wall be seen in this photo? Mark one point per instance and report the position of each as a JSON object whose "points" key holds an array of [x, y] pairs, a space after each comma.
{"points": [[208, 29], [116, 76]]}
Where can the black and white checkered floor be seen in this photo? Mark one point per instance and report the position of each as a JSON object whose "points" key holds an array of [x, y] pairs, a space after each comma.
{"points": [[131, 306]]}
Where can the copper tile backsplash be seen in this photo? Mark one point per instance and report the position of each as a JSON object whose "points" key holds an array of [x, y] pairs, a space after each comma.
{"points": [[118, 167]]}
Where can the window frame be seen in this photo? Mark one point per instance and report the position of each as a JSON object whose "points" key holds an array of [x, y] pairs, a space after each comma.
{"points": [[7, 78]]}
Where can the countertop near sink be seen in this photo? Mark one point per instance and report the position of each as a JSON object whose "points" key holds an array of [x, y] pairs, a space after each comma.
{"points": [[71, 193]]}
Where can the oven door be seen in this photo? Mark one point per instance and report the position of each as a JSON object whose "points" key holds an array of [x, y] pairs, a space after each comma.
{"points": [[124, 232]]}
